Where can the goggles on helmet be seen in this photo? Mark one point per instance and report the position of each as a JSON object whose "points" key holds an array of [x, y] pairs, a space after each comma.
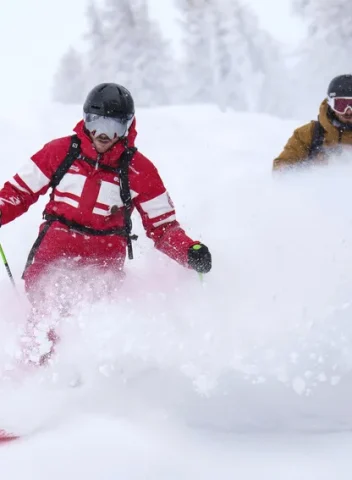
{"points": [[340, 104], [110, 126]]}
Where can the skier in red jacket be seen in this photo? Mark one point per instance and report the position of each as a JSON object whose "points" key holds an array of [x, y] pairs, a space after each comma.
{"points": [[97, 177]]}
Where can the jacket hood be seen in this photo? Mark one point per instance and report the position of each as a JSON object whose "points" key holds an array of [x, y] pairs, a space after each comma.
{"points": [[109, 157]]}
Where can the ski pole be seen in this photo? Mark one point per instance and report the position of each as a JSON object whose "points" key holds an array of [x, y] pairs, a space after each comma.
{"points": [[4, 259]]}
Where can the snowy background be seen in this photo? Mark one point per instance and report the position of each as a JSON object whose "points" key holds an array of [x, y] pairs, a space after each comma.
{"points": [[247, 55], [247, 374]]}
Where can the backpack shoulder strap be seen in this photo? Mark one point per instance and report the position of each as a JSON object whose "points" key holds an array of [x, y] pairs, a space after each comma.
{"points": [[125, 194], [122, 169], [317, 140], [72, 155]]}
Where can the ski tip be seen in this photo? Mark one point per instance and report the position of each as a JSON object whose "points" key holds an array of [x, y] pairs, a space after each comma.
{"points": [[7, 436]]}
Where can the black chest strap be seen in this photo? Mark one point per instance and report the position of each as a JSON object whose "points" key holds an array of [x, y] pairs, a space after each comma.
{"points": [[125, 193], [72, 155]]}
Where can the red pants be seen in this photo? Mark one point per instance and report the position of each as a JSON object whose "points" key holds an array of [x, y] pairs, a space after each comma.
{"points": [[64, 247], [68, 265]]}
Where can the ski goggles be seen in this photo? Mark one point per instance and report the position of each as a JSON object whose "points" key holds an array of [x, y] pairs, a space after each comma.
{"points": [[340, 104], [109, 126]]}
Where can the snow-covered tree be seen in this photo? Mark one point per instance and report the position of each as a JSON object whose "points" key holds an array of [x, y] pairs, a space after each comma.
{"points": [[300, 7], [237, 59], [197, 28], [140, 57], [229, 60], [69, 84], [325, 52], [124, 45], [118, 28], [277, 84], [97, 61]]}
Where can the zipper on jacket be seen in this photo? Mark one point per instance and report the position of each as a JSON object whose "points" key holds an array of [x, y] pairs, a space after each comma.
{"points": [[98, 160]]}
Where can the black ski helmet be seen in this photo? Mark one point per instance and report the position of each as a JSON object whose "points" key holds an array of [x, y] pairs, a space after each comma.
{"points": [[340, 86], [109, 100]]}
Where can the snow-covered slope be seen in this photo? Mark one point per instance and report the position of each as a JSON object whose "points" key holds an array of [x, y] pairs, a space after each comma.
{"points": [[235, 376]]}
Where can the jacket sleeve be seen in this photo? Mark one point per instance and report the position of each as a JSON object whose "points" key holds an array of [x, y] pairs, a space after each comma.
{"points": [[159, 217], [296, 149], [24, 189]]}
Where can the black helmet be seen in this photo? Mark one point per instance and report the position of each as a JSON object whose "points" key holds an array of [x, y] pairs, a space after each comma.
{"points": [[109, 100], [340, 86]]}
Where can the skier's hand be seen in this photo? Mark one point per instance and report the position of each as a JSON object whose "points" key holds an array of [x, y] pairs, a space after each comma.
{"points": [[199, 258]]}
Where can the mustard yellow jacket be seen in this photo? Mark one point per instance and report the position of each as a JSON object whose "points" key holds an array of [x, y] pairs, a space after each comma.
{"points": [[297, 148]]}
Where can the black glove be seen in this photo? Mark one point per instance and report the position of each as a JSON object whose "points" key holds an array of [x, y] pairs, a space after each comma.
{"points": [[199, 258]]}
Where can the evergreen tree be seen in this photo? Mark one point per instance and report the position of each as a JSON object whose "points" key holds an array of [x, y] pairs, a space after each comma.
{"points": [[97, 61], [140, 57], [69, 85], [240, 70], [199, 53], [325, 52], [300, 7], [229, 59]]}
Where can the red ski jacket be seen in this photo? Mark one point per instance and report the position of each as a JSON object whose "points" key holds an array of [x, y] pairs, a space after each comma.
{"points": [[90, 196]]}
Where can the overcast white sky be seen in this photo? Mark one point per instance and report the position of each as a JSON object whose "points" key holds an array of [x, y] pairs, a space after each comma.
{"points": [[35, 34]]}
